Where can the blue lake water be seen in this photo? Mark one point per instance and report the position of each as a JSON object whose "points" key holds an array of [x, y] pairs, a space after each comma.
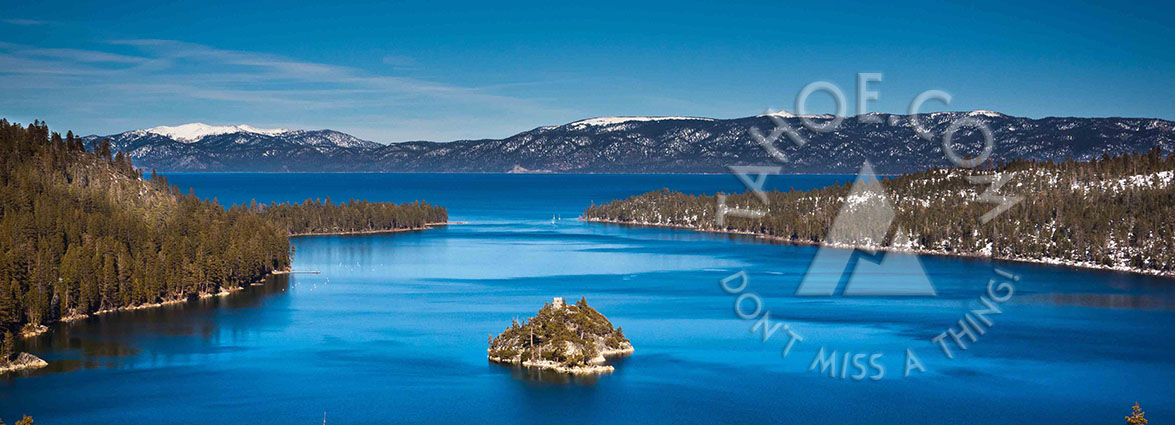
{"points": [[394, 328]]}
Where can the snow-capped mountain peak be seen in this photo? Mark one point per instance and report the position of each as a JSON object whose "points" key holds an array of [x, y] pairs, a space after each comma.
{"points": [[785, 114], [985, 113], [780, 113], [195, 131], [606, 121]]}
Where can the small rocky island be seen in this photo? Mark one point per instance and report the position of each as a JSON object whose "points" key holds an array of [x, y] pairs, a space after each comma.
{"points": [[574, 339], [11, 361], [21, 361]]}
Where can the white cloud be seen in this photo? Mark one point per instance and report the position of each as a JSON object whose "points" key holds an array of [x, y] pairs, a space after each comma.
{"points": [[25, 22]]}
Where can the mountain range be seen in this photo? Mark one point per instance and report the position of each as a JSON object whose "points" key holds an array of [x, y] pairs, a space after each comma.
{"points": [[646, 145]]}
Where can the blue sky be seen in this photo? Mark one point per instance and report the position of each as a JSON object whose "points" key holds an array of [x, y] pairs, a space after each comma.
{"points": [[395, 71]]}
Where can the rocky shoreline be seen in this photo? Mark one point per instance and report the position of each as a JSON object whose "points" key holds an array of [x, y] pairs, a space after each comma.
{"points": [[73, 317], [595, 366], [23, 361], [26, 361], [376, 232], [30, 330]]}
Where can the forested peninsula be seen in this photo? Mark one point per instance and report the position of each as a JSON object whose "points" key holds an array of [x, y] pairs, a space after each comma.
{"points": [[83, 232], [314, 217], [1109, 213]]}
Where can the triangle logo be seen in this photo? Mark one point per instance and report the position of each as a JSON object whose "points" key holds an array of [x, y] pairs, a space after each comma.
{"points": [[864, 219]]}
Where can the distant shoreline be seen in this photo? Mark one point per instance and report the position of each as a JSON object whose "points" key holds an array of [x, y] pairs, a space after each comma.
{"points": [[777, 239], [373, 232]]}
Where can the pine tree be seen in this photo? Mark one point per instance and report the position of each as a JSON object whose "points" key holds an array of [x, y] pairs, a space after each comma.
{"points": [[8, 348], [1137, 416]]}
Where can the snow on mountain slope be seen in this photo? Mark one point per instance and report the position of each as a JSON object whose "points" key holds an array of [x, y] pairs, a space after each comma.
{"points": [[327, 138], [606, 121], [985, 113], [785, 114], [195, 131]]}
